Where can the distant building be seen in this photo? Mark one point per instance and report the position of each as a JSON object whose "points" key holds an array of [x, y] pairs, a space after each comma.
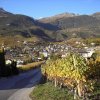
{"points": [[19, 63], [8, 62], [45, 54], [86, 53]]}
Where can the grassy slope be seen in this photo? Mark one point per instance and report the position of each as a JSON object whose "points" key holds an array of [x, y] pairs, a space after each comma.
{"points": [[47, 91], [12, 40]]}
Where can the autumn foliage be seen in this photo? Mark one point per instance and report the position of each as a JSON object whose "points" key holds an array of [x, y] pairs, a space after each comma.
{"points": [[70, 71]]}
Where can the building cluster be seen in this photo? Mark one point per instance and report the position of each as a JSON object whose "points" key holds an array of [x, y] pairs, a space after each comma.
{"points": [[29, 52]]}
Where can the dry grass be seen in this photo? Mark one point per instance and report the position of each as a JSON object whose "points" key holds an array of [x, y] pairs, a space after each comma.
{"points": [[30, 66], [12, 40]]}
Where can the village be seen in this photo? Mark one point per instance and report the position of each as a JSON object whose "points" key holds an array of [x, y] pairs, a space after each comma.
{"points": [[29, 52]]}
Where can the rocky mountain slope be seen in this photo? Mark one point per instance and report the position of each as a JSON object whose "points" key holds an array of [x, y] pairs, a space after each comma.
{"points": [[72, 25], [15, 24], [56, 28]]}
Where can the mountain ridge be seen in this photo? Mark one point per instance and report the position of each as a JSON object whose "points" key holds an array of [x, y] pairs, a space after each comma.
{"points": [[55, 28], [84, 26]]}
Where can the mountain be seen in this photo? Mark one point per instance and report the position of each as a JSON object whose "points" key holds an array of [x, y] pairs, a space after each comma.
{"points": [[74, 22], [72, 25], [96, 15], [55, 28], [4, 13], [16, 24], [57, 17]]}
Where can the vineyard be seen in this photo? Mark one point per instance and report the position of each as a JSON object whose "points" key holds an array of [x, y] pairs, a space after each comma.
{"points": [[74, 72]]}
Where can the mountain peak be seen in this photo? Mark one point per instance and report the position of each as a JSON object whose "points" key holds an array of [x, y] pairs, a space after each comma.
{"points": [[1, 9], [4, 13], [66, 14], [58, 16], [97, 15]]}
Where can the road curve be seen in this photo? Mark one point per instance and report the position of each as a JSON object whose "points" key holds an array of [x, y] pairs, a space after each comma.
{"points": [[19, 87]]}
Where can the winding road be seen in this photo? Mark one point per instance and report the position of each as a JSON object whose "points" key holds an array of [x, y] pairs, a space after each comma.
{"points": [[19, 87]]}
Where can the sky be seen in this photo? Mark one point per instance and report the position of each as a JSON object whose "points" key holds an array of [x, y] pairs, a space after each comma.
{"points": [[45, 8]]}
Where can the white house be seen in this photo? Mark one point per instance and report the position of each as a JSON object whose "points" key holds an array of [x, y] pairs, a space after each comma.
{"points": [[45, 54], [87, 53], [8, 62], [19, 63], [64, 55]]}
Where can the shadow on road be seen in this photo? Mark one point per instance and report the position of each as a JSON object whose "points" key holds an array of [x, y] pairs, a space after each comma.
{"points": [[23, 80]]}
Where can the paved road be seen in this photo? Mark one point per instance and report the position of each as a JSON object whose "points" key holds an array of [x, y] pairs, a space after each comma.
{"points": [[19, 87]]}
